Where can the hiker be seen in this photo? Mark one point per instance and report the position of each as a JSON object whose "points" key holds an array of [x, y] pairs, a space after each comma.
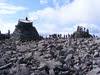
{"points": [[46, 37], [49, 36], [84, 29], [81, 28], [64, 36], [93, 36], [77, 28], [58, 35], [0, 32], [26, 18], [8, 32], [87, 31], [68, 35]]}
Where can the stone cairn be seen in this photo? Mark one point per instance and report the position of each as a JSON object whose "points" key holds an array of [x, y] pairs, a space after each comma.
{"points": [[25, 31]]}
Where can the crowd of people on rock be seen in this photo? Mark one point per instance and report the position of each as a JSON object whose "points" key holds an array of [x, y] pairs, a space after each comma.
{"points": [[59, 36], [5, 36], [7, 33], [80, 29]]}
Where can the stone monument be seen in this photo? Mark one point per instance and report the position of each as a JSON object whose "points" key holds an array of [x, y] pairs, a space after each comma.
{"points": [[25, 31]]}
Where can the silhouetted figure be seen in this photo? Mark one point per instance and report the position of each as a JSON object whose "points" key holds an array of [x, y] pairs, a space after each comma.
{"points": [[58, 35], [87, 31], [84, 29], [66, 35], [26, 18], [8, 32], [81, 28], [78, 28], [50, 36], [93, 36], [46, 37]]}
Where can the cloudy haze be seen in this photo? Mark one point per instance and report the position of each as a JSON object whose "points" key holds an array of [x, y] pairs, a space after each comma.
{"points": [[52, 16]]}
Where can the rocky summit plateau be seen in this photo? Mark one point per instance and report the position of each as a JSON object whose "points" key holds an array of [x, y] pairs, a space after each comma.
{"points": [[79, 56], [26, 53]]}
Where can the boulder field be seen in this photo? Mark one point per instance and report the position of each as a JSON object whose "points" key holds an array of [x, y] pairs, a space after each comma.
{"points": [[50, 57]]}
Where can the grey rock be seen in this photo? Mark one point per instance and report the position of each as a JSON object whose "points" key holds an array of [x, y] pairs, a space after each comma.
{"points": [[51, 46], [96, 62], [51, 72], [33, 73], [60, 47], [5, 66], [2, 62], [64, 73], [76, 67], [94, 72], [43, 72], [9, 52], [96, 54], [41, 67], [28, 56], [68, 60], [65, 67], [61, 53], [69, 51], [20, 70]]}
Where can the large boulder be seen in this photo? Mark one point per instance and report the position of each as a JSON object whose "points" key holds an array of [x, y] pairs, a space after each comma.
{"points": [[25, 31], [4, 36], [81, 34]]}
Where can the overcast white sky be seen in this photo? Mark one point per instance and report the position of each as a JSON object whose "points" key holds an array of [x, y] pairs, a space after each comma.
{"points": [[51, 16]]}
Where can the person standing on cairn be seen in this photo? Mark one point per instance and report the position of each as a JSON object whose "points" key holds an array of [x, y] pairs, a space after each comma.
{"points": [[27, 18]]}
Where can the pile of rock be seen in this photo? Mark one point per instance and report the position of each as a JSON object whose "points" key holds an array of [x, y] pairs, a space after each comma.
{"points": [[4, 36], [25, 31], [50, 57], [81, 33]]}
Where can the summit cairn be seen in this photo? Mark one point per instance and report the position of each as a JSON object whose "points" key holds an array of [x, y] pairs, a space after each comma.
{"points": [[25, 31], [81, 32]]}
